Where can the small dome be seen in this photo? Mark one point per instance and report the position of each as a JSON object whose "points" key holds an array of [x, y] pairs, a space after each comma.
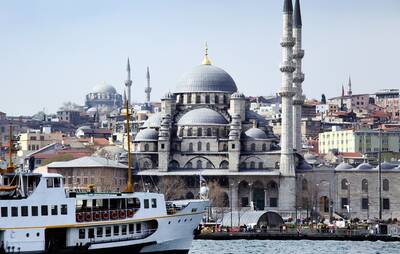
{"points": [[104, 88], [387, 166], [147, 135], [92, 110], [255, 133], [251, 115], [154, 121], [343, 165], [202, 116], [311, 158], [237, 95], [364, 166], [206, 78], [304, 165]]}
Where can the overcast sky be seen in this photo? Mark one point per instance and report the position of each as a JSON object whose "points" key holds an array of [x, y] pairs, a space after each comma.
{"points": [[56, 51]]}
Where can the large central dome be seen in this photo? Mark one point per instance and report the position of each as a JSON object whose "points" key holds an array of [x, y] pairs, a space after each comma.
{"points": [[206, 78]]}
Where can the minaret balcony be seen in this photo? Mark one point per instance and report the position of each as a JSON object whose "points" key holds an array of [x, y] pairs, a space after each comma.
{"points": [[288, 42], [287, 66], [298, 54], [298, 78]]}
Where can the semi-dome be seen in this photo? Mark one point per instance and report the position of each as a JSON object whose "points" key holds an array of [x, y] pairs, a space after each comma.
{"points": [[343, 165], [147, 135], [206, 78], [364, 166], [154, 121], [387, 166], [202, 116], [255, 133], [104, 88]]}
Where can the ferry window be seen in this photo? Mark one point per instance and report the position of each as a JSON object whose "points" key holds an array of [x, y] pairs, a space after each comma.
{"points": [[34, 211], [108, 231], [14, 211], [4, 212], [133, 203], [153, 203], [44, 210], [91, 233], [99, 232], [57, 182], [50, 183], [116, 230], [131, 227], [82, 233], [54, 210], [64, 209], [123, 230], [122, 204], [138, 228], [146, 203], [24, 211]]}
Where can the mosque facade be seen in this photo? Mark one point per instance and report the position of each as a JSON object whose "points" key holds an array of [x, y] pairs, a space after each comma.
{"points": [[206, 128]]}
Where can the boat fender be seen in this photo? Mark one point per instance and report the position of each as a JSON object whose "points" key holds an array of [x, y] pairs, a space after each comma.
{"points": [[79, 217], [106, 215], [88, 216], [114, 215], [97, 216]]}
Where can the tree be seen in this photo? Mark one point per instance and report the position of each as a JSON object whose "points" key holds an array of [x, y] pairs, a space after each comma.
{"points": [[172, 187], [323, 99]]}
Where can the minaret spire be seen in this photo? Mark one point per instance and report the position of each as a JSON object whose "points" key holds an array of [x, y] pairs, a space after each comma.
{"points": [[148, 88], [298, 78], [349, 92], [206, 61], [128, 82]]}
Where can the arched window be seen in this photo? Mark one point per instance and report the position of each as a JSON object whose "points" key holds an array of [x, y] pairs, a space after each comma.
{"points": [[272, 185], [207, 98], [198, 98], [252, 165], [260, 165], [199, 164], [189, 132], [189, 98], [345, 184], [385, 185], [209, 132], [225, 99], [264, 147], [199, 146], [224, 165], [225, 147], [216, 99], [180, 134], [146, 147], [199, 132], [209, 165], [189, 165], [304, 185], [173, 165], [208, 147], [243, 165], [253, 147], [364, 185], [190, 147]]}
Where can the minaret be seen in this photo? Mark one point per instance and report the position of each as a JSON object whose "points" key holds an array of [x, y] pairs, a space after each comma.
{"points": [[128, 82], [148, 88], [287, 68], [349, 92], [287, 186], [298, 78]]}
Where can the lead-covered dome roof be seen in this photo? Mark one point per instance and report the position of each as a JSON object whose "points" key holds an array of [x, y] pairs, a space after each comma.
{"points": [[202, 116], [255, 133], [206, 78], [147, 135], [104, 88], [154, 121]]}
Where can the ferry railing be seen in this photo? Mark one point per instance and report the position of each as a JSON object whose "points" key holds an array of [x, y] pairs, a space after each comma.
{"points": [[136, 236]]}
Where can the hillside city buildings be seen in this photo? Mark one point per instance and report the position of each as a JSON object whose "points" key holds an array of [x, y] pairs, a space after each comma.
{"points": [[283, 152]]}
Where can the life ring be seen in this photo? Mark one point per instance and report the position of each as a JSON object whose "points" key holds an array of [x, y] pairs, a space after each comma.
{"points": [[114, 215], [97, 216], [79, 217], [88, 216], [129, 214], [106, 215], [122, 214]]}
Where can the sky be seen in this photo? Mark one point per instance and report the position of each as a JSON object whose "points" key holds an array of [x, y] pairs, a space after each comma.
{"points": [[56, 51]]}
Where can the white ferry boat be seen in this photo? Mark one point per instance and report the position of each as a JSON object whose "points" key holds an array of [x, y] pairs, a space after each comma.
{"points": [[37, 215]]}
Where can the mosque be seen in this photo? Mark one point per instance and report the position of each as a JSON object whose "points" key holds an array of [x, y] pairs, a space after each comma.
{"points": [[206, 128], [103, 99]]}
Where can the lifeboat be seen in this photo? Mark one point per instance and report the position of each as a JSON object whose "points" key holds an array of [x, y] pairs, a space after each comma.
{"points": [[7, 190]]}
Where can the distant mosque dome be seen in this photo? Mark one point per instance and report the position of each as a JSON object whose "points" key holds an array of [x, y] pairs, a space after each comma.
{"points": [[154, 121], [104, 88], [147, 135], [206, 78], [255, 133]]}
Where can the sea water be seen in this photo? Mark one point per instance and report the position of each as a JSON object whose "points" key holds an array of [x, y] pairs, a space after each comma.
{"points": [[293, 247]]}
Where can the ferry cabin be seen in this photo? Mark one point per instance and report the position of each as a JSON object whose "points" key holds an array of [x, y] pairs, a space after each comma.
{"points": [[44, 217]]}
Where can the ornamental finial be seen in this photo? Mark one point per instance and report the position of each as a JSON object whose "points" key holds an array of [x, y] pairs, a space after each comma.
{"points": [[206, 61]]}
